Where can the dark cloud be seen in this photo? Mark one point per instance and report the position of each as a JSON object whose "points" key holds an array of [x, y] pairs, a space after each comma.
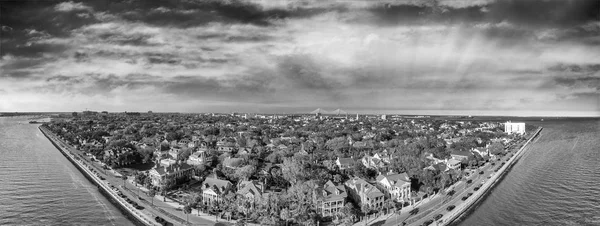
{"points": [[585, 68], [303, 72], [578, 81], [245, 86], [16, 74], [122, 39], [31, 49], [25, 63], [25, 16], [162, 58], [81, 57], [553, 13]]}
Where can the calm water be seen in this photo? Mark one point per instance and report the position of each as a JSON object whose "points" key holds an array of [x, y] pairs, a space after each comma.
{"points": [[39, 186], [556, 182]]}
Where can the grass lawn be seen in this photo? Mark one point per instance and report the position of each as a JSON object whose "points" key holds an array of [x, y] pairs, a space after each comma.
{"points": [[132, 168]]}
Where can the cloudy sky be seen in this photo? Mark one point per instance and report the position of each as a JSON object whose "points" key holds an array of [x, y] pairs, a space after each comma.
{"points": [[449, 56]]}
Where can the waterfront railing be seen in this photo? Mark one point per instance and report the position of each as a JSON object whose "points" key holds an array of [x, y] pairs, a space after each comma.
{"points": [[90, 175], [460, 210]]}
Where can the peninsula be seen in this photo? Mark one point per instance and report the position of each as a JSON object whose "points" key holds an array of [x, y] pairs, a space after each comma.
{"points": [[324, 167]]}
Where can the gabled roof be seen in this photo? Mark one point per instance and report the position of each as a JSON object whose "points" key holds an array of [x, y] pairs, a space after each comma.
{"points": [[362, 186], [330, 192], [345, 161], [397, 180], [453, 161], [172, 168], [253, 187], [461, 153], [212, 183]]}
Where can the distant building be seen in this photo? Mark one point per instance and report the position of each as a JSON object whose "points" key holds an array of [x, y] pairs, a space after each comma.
{"points": [[514, 127], [383, 117], [197, 158], [90, 112], [344, 163], [132, 113]]}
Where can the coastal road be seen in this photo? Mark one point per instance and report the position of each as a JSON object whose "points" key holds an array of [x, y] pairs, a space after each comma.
{"points": [[439, 203], [148, 210]]}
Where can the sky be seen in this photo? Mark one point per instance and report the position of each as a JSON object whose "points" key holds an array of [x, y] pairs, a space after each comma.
{"points": [[480, 57]]}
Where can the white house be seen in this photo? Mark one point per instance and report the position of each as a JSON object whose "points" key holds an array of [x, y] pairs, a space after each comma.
{"points": [[514, 127], [397, 185]]}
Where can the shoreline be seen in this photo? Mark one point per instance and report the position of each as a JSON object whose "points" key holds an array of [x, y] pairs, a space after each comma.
{"points": [[456, 216], [136, 217]]}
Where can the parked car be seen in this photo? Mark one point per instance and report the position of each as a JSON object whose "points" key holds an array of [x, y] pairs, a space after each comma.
{"points": [[464, 198], [427, 222], [451, 207], [439, 216]]}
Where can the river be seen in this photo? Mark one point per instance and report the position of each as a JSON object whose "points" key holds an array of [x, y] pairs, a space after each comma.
{"points": [[39, 186], [556, 182]]}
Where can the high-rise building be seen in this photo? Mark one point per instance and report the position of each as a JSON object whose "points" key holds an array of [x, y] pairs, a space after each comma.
{"points": [[514, 127]]}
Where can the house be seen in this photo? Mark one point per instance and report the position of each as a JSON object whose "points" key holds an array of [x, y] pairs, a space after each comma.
{"points": [[344, 163], [225, 149], [163, 175], [383, 156], [244, 151], [364, 193], [174, 152], [197, 158], [453, 164], [214, 190], [232, 163], [167, 162], [372, 162], [252, 191], [397, 186], [330, 199], [183, 142], [460, 155]]}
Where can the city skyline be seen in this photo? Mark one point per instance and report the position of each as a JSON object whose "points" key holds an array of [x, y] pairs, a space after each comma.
{"points": [[533, 58]]}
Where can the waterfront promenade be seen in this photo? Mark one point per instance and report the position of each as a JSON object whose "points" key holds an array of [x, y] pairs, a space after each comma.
{"points": [[145, 216], [439, 203], [139, 216], [486, 187]]}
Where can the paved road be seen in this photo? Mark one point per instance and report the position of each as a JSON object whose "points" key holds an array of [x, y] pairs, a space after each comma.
{"points": [[148, 210], [439, 203]]}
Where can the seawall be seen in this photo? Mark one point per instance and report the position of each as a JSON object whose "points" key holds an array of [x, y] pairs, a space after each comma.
{"points": [[463, 210], [128, 210]]}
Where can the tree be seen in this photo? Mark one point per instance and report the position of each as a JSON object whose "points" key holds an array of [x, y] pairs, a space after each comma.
{"points": [[151, 194], [245, 172], [293, 171], [337, 143], [285, 215], [187, 209], [496, 148]]}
